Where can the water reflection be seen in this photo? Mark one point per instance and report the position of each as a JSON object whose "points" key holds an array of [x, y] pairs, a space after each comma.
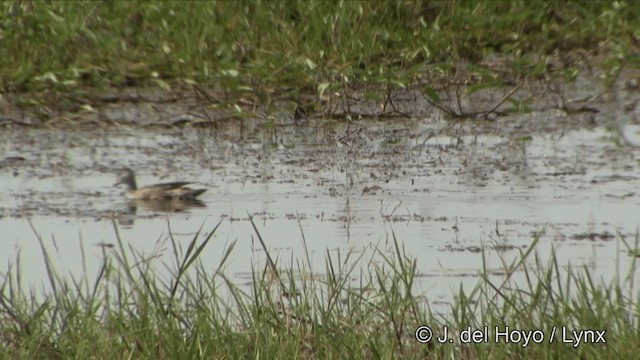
{"points": [[127, 217]]}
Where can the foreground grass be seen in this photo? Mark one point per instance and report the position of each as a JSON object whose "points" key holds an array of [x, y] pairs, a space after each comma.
{"points": [[129, 311], [274, 49]]}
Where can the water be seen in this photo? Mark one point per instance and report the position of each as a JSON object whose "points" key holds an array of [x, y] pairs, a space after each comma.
{"points": [[444, 194]]}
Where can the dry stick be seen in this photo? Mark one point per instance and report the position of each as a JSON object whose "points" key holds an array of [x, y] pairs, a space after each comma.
{"points": [[503, 99], [462, 114], [442, 108], [386, 99], [201, 91], [393, 106], [459, 102], [346, 97], [584, 108], [348, 134]]}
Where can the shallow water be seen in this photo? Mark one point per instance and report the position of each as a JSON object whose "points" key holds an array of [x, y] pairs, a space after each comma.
{"points": [[444, 193]]}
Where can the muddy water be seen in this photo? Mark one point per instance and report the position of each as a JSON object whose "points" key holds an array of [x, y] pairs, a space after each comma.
{"points": [[446, 190]]}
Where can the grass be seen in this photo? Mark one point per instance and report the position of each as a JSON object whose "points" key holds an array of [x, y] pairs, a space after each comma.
{"points": [[263, 51], [130, 311]]}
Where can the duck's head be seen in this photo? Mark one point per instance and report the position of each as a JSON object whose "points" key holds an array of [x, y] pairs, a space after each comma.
{"points": [[126, 177]]}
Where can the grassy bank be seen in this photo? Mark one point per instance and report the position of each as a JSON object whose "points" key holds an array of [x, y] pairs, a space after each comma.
{"points": [[131, 311], [272, 49]]}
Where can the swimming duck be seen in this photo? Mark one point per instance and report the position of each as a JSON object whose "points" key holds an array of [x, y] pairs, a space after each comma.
{"points": [[166, 191]]}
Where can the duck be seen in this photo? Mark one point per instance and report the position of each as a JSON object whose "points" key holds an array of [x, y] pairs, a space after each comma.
{"points": [[165, 191]]}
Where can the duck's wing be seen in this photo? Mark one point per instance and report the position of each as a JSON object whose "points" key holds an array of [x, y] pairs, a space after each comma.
{"points": [[157, 191], [166, 186], [185, 193]]}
